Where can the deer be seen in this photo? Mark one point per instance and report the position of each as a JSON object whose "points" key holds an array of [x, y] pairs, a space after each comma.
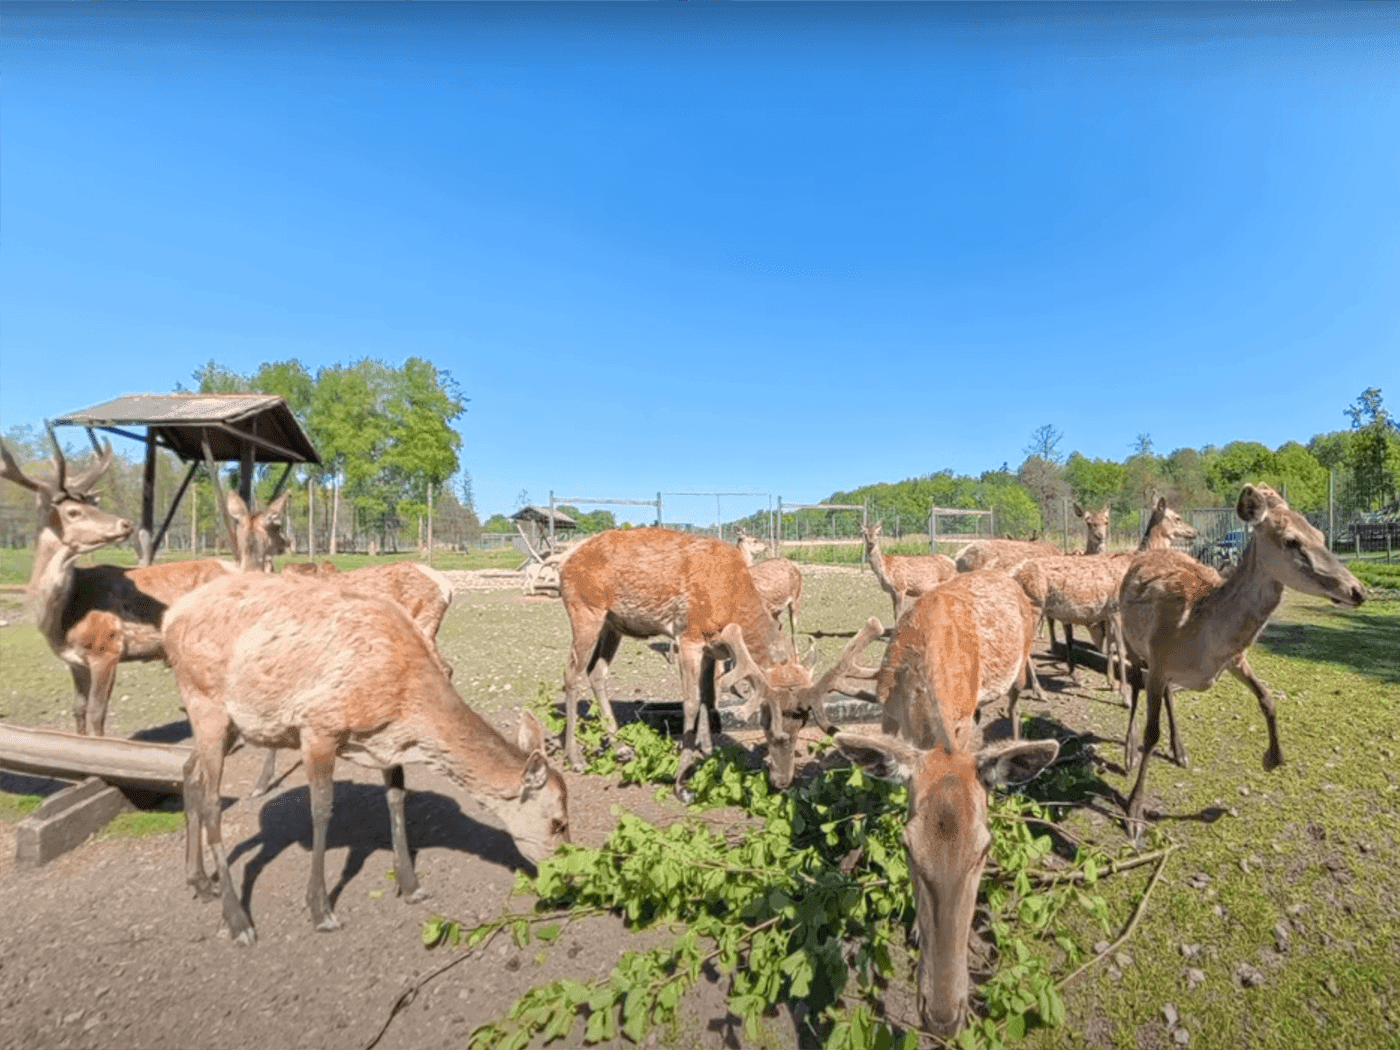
{"points": [[1084, 590], [300, 663], [1005, 555], [779, 583], [940, 665], [1188, 625], [96, 617], [749, 546], [904, 577], [641, 583]]}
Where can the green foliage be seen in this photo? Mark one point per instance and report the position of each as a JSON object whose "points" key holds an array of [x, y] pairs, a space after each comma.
{"points": [[808, 898], [142, 823], [498, 523], [1093, 482]]}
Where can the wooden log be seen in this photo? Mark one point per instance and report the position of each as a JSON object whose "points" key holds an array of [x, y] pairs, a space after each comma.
{"points": [[68, 756]]}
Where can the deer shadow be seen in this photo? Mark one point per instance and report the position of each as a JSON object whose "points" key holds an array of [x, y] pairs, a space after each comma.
{"points": [[360, 821], [1362, 641]]}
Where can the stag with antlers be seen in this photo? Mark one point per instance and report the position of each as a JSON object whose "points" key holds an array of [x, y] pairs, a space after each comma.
{"points": [[97, 617]]}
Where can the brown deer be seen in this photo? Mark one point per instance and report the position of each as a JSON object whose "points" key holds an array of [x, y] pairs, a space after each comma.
{"points": [[641, 583], [301, 663], [904, 576], [1188, 625], [779, 583], [97, 617], [1004, 555], [1095, 528], [941, 664], [422, 592], [749, 546]]}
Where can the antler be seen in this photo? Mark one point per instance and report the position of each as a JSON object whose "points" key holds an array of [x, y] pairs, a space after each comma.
{"points": [[745, 670], [79, 486], [10, 471], [844, 671]]}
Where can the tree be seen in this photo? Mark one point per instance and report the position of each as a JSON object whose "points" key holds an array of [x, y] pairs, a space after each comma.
{"points": [[1233, 465], [1186, 479], [1142, 445], [498, 523], [1093, 482], [1045, 443], [1375, 451], [1298, 473], [1046, 482]]}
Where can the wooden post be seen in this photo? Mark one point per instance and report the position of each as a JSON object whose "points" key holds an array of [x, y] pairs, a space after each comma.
{"points": [[245, 475], [311, 517], [148, 500], [430, 523]]}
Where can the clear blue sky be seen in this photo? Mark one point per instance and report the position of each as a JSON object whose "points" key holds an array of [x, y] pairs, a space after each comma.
{"points": [[694, 246]]}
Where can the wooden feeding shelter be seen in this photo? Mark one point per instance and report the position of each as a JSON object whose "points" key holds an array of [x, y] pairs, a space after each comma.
{"points": [[533, 524], [246, 429]]}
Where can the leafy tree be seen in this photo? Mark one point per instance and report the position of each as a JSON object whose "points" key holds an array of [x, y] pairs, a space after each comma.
{"points": [[1186, 479], [1298, 473], [1332, 449], [498, 523], [1046, 482], [421, 450], [1093, 482], [1233, 465], [1375, 451], [289, 380], [214, 378]]}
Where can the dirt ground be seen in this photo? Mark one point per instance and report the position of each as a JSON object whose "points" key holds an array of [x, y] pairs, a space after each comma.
{"points": [[106, 947]]}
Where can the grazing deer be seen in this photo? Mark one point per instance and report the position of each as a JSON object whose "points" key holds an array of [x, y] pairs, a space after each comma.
{"points": [[903, 576], [779, 583], [941, 664], [422, 592], [641, 583], [97, 617], [1188, 625], [1004, 555], [301, 663]]}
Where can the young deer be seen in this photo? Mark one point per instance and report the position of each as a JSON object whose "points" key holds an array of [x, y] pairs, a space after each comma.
{"points": [[779, 584], [422, 592], [903, 576], [1188, 626], [97, 617], [749, 546], [941, 664], [641, 583], [301, 663]]}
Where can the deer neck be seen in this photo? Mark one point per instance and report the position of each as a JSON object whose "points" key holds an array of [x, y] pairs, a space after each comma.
{"points": [[460, 744], [51, 582], [876, 558], [1238, 609]]}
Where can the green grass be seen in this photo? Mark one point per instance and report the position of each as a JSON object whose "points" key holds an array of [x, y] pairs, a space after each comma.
{"points": [[143, 823], [16, 807]]}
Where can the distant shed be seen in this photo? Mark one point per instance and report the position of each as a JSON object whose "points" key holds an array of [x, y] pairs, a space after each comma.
{"points": [[533, 523]]}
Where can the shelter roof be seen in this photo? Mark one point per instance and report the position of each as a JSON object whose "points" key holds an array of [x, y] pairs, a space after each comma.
{"points": [[181, 421], [540, 515]]}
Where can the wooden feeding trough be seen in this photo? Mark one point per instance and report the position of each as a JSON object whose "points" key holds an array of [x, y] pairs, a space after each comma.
{"points": [[102, 765]]}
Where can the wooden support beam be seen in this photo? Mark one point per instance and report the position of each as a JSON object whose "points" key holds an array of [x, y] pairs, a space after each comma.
{"points": [[68, 756], [66, 820]]}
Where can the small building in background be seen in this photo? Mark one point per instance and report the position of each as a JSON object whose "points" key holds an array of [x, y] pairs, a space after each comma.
{"points": [[533, 523]]}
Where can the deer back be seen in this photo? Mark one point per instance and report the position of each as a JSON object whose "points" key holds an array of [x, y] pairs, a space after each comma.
{"points": [[655, 581], [962, 644], [1071, 588], [1002, 554]]}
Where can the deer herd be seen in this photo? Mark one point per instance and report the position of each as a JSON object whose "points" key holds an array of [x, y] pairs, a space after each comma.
{"points": [[346, 664]]}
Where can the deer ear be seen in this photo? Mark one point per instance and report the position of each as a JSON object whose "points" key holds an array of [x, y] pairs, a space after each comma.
{"points": [[535, 775], [1253, 504], [1078, 511], [880, 756], [1161, 504], [1014, 763], [530, 734], [770, 716], [238, 510], [277, 506]]}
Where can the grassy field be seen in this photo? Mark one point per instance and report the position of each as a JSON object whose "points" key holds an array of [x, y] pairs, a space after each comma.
{"points": [[1277, 920]]}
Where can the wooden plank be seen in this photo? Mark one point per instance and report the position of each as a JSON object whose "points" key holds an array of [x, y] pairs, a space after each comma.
{"points": [[66, 820], [68, 756]]}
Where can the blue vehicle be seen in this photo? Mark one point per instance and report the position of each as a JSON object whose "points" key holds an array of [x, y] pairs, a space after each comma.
{"points": [[1227, 549]]}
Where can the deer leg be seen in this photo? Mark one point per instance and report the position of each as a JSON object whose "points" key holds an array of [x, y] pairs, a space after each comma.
{"points": [[82, 688], [405, 879], [691, 661], [318, 756], [268, 774], [586, 639], [209, 755], [606, 652], [1151, 733], [1178, 748], [1273, 757], [1069, 651], [1012, 696], [104, 678], [1129, 747], [204, 888]]}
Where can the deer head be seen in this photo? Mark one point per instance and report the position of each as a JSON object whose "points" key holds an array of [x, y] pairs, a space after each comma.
{"points": [[785, 697], [1169, 523], [1096, 525], [1290, 550], [66, 503], [749, 546], [537, 816], [947, 839], [259, 535]]}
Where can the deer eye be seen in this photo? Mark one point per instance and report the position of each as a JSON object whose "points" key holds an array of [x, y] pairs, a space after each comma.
{"points": [[1293, 543], [558, 827]]}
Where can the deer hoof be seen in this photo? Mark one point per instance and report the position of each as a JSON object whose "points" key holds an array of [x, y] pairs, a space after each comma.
{"points": [[329, 924], [685, 794], [246, 939], [418, 896], [1273, 758]]}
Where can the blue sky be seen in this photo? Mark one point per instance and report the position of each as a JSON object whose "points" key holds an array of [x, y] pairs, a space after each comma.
{"points": [[780, 248]]}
